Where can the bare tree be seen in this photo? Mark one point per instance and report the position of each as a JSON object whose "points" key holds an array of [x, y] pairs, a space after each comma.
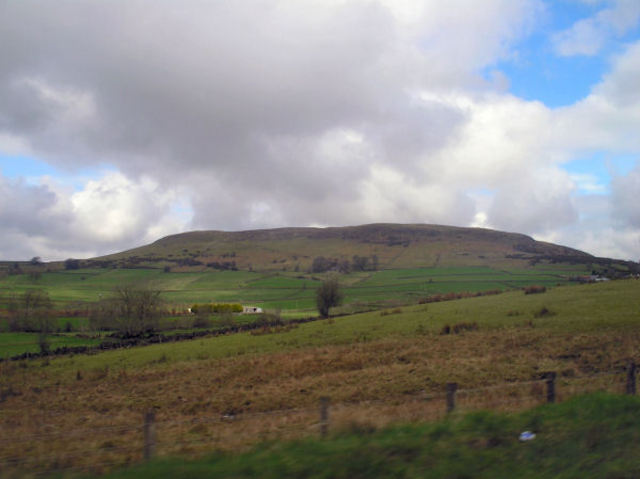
{"points": [[32, 312], [132, 310]]}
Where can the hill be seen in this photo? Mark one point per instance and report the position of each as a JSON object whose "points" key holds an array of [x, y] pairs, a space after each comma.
{"points": [[351, 248]]}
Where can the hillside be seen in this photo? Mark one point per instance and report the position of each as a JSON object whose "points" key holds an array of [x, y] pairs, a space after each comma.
{"points": [[378, 246], [384, 368]]}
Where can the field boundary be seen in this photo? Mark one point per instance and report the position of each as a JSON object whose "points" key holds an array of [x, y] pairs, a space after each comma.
{"points": [[156, 436], [159, 338]]}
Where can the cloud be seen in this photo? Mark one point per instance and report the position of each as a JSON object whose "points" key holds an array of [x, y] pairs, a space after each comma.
{"points": [[115, 209], [274, 113], [111, 213], [253, 97], [624, 198], [534, 204], [609, 118], [27, 208], [588, 183], [589, 35]]}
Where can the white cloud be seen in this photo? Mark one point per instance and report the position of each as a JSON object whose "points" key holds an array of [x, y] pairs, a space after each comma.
{"points": [[588, 183], [115, 209], [111, 213], [537, 202], [585, 37], [589, 35], [609, 118], [608, 242]]}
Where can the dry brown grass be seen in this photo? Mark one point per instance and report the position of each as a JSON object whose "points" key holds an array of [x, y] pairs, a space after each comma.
{"points": [[87, 418]]}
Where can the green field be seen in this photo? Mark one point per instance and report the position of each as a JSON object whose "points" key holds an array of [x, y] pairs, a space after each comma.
{"points": [[290, 295], [380, 369], [286, 291], [575, 311], [12, 344]]}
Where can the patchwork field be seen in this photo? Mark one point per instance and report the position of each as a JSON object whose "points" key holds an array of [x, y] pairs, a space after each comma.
{"points": [[280, 290], [287, 294], [378, 368]]}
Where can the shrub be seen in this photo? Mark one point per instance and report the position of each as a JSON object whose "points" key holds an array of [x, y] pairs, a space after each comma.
{"points": [[225, 320], [202, 321], [71, 264], [43, 343], [321, 264], [131, 311], [459, 328], [543, 312], [211, 308], [534, 289], [31, 312], [328, 295]]}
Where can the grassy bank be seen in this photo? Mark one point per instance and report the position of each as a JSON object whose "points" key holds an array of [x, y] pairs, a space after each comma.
{"points": [[377, 368], [594, 436]]}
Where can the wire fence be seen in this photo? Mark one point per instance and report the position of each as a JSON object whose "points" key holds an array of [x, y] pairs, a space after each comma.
{"points": [[98, 449]]}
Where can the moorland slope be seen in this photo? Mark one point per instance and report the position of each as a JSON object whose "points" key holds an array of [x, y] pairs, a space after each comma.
{"points": [[384, 246]]}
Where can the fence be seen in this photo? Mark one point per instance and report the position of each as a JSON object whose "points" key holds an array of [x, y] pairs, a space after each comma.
{"points": [[98, 449]]}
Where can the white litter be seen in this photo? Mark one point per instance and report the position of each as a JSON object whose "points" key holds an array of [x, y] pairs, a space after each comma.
{"points": [[527, 436]]}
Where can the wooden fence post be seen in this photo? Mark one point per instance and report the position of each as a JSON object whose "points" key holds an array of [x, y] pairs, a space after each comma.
{"points": [[324, 416], [631, 378], [551, 386], [451, 396], [149, 435]]}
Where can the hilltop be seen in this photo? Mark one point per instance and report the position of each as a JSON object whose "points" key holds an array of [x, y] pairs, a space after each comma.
{"points": [[383, 246]]}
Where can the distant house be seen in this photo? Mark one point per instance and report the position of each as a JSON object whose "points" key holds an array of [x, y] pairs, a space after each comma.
{"points": [[251, 310]]}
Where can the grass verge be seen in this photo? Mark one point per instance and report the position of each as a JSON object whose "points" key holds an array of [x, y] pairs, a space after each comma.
{"points": [[592, 436]]}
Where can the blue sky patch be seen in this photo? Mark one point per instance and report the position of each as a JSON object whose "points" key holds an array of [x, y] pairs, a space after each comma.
{"points": [[31, 169], [536, 72], [593, 173]]}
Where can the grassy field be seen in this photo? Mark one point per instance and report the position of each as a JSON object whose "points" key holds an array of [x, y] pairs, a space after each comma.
{"points": [[377, 367], [587, 437], [291, 295], [292, 292], [12, 344]]}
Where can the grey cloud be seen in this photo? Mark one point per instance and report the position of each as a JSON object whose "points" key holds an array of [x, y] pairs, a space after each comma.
{"points": [[625, 191], [106, 216], [259, 113], [233, 92], [27, 208], [534, 204]]}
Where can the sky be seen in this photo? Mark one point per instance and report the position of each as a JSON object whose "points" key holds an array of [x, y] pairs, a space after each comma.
{"points": [[123, 121]]}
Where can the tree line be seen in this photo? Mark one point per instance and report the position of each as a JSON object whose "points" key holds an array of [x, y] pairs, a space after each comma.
{"points": [[130, 310], [321, 264]]}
